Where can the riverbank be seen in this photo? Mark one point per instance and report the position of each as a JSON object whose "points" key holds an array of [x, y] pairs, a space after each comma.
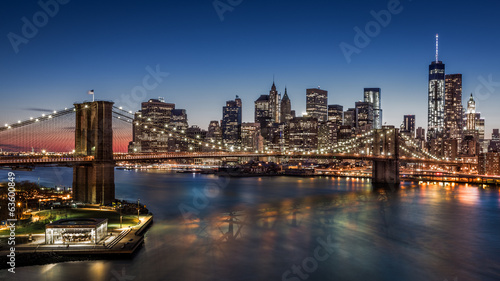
{"points": [[123, 245]]}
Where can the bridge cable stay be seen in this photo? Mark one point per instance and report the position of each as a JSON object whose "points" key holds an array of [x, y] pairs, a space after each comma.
{"points": [[49, 132]]}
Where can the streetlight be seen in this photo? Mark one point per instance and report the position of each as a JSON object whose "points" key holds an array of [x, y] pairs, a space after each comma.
{"points": [[138, 210]]}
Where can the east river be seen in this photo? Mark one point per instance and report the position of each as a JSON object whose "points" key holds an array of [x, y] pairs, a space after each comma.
{"points": [[287, 228]]}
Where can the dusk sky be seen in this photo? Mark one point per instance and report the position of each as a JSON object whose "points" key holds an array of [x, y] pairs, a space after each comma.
{"points": [[109, 45]]}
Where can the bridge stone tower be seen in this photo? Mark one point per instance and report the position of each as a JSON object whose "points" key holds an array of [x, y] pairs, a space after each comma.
{"points": [[386, 145], [94, 182]]}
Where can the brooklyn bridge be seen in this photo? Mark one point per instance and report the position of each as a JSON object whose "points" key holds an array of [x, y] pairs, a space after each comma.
{"points": [[98, 125]]}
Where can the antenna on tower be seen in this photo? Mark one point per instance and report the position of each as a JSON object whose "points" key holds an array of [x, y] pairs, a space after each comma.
{"points": [[437, 47]]}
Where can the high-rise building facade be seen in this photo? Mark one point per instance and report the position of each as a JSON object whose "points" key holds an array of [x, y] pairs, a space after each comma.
{"points": [[372, 95], [453, 106], [148, 122], [262, 109], [336, 114], [303, 134], [350, 117], [214, 133], [286, 108], [435, 113], [274, 104], [470, 115], [231, 123], [364, 116], [494, 145], [420, 134], [251, 139], [327, 135], [408, 126], [317, 104]]}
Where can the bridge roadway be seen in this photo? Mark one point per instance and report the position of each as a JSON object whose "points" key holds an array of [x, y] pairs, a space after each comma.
{"points": [[44, 160]]}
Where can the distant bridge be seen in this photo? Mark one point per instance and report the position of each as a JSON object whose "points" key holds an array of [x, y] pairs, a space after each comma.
{"points": [[93, 159]]}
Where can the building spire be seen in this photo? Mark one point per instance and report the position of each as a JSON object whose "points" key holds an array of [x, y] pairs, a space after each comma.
{"points": [[437, 47]]}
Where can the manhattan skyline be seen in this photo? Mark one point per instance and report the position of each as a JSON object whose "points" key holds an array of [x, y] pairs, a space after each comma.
{"points": [[108, 47]]}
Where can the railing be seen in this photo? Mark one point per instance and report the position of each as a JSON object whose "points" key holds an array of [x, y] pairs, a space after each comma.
{"points": [[138, 157]]}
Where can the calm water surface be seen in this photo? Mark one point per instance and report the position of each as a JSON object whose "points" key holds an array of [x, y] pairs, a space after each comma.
{"points": [[284, 228]]}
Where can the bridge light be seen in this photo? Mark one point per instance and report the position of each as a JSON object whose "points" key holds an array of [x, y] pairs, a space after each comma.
{"points": [[50, 116], [6, 125], [43, 115], [36, 120], [18, 121], [55, 112], [121, 108], [31, 118]]}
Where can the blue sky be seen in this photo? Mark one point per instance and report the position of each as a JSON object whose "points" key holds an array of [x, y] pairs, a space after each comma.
{"points": [[107, 46]]}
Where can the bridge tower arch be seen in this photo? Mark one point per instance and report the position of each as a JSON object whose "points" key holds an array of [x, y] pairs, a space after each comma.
{"points": [[385, 171], [94, 182]]}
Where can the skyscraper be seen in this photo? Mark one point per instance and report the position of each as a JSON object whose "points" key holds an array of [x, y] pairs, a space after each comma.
{"points": [[214, 134], [471, 114], [274, 104], [364, 116], [420, 134], [453, 106], [408, 126], [372, 95], [317, 103], [435, 113], [335, 113], [262, 109], [250, 136], [286, 108], [231, 122], [350, 117], [303, 134], [155, 114]]}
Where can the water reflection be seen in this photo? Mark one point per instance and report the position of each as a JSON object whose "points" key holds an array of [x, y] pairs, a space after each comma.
{"points": [[257, 229]]}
